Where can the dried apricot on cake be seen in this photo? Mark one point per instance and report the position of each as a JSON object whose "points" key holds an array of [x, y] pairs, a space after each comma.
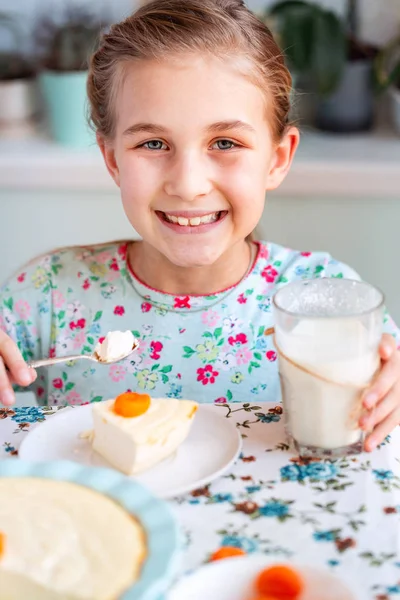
{"points": [[131, 404], [227, 552], [2, 543], [280, 581]]}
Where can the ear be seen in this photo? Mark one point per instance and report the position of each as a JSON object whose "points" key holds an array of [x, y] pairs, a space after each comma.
{"points": [[282, 159], [108, 153]]}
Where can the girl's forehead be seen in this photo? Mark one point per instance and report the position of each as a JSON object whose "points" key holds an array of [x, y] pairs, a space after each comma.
{"points": [[196, 88]]}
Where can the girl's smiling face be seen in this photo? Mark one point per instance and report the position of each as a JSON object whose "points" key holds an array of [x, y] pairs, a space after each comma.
{"points": [[193, 155]]}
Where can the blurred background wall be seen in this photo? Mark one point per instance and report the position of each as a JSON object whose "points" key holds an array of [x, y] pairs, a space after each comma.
{"points": [[342, 196]]}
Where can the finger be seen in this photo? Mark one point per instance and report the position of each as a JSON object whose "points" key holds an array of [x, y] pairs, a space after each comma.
{"points": [[385, 380], [7, 396], [387, 347], [382, 430], [382, 410], [12, 357]]}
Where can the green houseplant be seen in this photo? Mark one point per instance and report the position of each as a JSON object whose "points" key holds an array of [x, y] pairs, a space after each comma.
{"points": [[17, 84], [387, 77], [326, 50], [64, 49]]}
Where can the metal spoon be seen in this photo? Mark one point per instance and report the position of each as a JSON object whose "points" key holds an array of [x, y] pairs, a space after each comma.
{"points": [[45, 362]]}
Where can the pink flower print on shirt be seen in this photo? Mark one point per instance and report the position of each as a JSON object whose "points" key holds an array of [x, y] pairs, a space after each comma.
{"points": [[74, 398], [79, 340], [103, 257], [156, 348], [146, 307], [122, 251], [305, 254], [271, 355], [58, 383], [58, 298], [86, 284], [210, 318], [21, 278], [206, 374], [119, 310], [22, 309], [263, 251], [182, 302], [114, 265], [269, 274], [117, 372], [241, 299], [238, 340], [79, 324], [243, 355], [220, 400]]}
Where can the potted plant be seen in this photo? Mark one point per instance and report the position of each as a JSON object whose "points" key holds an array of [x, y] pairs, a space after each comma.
{"points": [[17, 85], [387, 76], [64, 50], [321, 48]]}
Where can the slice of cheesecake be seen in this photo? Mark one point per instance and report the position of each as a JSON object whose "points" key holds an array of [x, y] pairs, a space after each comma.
{"points": [[135, 432]]}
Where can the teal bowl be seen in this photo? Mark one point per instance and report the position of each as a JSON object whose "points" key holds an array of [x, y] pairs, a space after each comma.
{"points": [[162, 532]]}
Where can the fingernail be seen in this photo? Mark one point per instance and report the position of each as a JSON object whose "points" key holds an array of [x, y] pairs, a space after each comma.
{"points": [[7, 398], [26, 376], [370, 399]]}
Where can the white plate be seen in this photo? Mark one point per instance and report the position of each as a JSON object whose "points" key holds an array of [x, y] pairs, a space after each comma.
{"points": [[233, 579], [210, 449]]}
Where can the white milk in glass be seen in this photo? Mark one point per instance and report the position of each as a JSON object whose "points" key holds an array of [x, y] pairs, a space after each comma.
{"points": [[327, 333], [322, 381]]}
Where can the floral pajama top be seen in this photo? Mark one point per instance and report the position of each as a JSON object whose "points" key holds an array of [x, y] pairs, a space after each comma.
{"points": [[208, 348]]}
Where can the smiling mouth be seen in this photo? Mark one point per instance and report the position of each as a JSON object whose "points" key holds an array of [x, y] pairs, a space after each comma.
{"points": [[193, 221]]}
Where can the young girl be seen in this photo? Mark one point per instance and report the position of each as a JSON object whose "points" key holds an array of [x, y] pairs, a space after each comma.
{"points": [[190, 103]]}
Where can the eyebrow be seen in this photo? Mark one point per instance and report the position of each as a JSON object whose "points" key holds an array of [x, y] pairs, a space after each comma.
{"points": [[218, 127]]}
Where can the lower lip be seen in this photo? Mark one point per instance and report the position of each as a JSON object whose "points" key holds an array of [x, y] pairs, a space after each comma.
{"points": [[183, 229]]}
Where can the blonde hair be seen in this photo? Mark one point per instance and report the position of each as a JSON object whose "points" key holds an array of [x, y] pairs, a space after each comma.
{"points": [[166, 28]]}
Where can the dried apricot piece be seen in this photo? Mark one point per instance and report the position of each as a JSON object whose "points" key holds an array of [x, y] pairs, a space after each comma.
{"points": [[2, 543], [227, 552], [280, 581], [131, 404]]}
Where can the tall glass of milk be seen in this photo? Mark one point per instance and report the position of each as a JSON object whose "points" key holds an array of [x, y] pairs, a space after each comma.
{"points": [[327, 333]]}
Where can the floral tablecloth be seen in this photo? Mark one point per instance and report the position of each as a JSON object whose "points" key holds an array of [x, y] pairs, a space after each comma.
{"points": [[343, 514]]}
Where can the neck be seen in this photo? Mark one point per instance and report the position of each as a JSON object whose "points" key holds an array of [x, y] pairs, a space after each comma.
{"points": [[153, 269]]}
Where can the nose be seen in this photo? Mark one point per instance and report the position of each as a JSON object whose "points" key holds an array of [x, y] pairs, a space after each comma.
{"points": [[188, 177]]}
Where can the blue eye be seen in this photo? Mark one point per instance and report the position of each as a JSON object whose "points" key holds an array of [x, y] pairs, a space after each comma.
{"points": [[224, 145], [154, 145]]}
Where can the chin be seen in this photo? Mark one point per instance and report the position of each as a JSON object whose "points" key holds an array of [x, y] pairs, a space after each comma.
{"points": [[193, 257]]}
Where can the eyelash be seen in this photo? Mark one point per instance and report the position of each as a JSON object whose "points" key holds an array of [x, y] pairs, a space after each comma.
{"points": [[233, 145]]}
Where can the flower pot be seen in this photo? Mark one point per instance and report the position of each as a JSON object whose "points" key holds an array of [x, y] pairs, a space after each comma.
{"points": [[18, 105], [351, 107], [394, 95], [65, 98]]}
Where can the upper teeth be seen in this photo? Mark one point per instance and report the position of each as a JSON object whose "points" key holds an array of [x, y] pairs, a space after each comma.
{"points": [[194, 221]]}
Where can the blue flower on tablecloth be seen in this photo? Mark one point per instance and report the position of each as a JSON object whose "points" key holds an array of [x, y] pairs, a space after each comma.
{"points": [[246, 544], [397, 564], [253, 488], [27, 414], [333, 563], [217, 498], [194, 501], [324, 536], [268, 418], [293, 473], [274, 509], [394, 589], [382, 475], [321, 470]]}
